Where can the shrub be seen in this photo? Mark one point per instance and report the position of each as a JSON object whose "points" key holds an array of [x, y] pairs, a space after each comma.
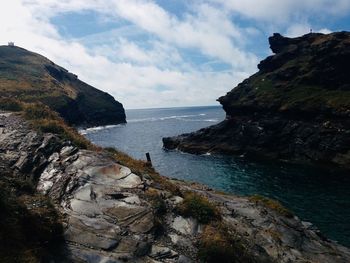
{"points": [[157, 201], [199, 207], [9, 104], [219, 244], [30, 227], [35, 111], [271, 204]]}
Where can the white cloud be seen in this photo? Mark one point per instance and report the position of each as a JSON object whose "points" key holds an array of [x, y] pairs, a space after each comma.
{"points": [[158, 69], [283, 11], [137, 76], [297, 30]]}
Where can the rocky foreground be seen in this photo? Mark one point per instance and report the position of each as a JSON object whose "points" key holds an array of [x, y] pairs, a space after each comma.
{"points": [[109, 214], [296, 108]]}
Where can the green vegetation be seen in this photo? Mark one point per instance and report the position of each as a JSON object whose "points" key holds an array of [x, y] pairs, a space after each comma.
{"points": [[30, 228], [199, 207], [271, 204]]}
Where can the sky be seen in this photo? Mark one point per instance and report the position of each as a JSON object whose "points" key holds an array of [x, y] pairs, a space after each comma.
{"points": [[163, 53]]}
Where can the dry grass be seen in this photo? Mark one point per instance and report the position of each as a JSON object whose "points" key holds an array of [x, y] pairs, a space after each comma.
{"points": [[45, 120], [271, 204], [142, 168], [199, 207], [157, 201], [219, 243], [9, 104]]}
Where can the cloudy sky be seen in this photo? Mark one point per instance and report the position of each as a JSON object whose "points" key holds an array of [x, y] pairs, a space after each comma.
{"points": [[163, 53]]}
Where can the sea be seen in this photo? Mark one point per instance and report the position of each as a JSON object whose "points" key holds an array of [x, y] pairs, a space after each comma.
{"points": [[315, 195]]}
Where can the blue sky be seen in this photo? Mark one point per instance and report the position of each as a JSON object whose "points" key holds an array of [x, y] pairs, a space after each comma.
{"points": [[163, 53]]}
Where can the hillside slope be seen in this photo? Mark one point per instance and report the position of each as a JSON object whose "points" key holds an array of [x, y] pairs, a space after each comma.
{"points": [[297, 107], [30, 77]]}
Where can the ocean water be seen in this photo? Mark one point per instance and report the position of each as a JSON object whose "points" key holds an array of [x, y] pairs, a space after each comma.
{"points": [[315, 195]]}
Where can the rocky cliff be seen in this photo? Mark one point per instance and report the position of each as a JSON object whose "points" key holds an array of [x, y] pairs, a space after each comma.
{"points": [[297, 107], [30, 77], [111, 213]]}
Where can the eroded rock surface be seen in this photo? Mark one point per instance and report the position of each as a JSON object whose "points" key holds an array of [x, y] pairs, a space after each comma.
{"points": [[108, 217]]}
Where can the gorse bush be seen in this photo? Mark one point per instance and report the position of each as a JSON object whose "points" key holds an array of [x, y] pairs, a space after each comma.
{"points": [[199, 207]]}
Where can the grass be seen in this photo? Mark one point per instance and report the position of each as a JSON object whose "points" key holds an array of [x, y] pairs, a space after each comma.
{"points": [[159, 210], [157, 201], [142, 168], [9, 104], [199, 207], [271, 204], [219, 243], [45, 120], [30, 228]]}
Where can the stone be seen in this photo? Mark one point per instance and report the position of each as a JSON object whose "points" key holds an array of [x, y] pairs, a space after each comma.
{"points": [[184, 259], [186, 226], [89, 239], [159, 252], [131, 181], [90, 209], [176, 200], [143, 248]]}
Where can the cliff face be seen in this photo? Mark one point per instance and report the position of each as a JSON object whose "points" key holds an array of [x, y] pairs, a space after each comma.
{"points": [[30, 77], [112, 214], [297, 107]]}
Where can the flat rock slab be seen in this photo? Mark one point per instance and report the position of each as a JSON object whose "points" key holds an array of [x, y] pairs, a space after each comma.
{"points": [[89, 239], [186, 226]]}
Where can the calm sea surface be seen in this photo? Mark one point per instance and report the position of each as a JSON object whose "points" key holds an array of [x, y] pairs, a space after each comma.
{"points": [[315, 195]]}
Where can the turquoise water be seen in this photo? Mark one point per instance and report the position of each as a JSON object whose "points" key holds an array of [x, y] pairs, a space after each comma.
{"points": [[315, 195]]}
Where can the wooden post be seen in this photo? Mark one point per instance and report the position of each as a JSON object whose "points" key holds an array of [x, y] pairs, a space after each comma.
{"points": [[149, 161]]}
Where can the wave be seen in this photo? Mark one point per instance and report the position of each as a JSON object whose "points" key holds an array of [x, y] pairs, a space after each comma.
{"points": [[187, 118], [206, 120], [96, 129], [178, 117]]}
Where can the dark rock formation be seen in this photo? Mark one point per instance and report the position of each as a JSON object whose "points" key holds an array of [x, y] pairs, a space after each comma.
{"points": [[107, 216], [30, 77], [297, 107]]}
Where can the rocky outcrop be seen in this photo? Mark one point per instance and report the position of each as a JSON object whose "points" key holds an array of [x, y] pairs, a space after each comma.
{"points": [[296, 108], [109, 217], [30, 77]]}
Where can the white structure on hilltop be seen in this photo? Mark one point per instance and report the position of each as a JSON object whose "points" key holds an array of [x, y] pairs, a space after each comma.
{"points": [[11, 44]]}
